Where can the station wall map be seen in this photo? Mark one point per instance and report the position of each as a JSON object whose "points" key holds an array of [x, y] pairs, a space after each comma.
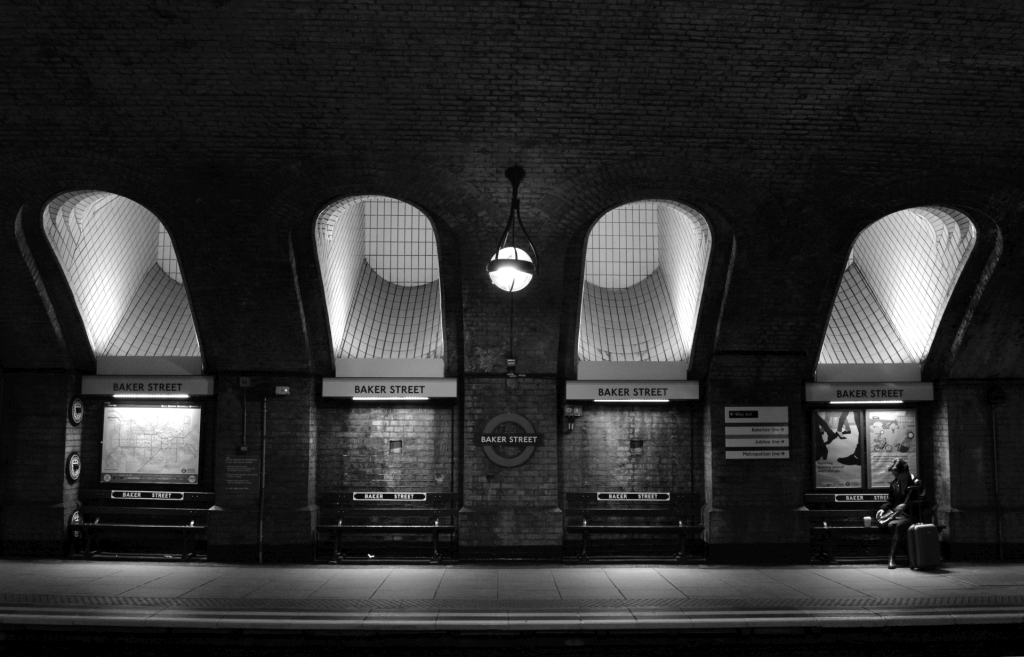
{"points": [[151, 444]]}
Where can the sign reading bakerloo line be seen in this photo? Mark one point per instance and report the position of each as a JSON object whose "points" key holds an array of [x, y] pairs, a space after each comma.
{"points": [[508, 440]]}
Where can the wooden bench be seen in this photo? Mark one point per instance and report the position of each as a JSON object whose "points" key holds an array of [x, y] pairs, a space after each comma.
{"points": [[837, 519], [140, 518], [386, 513], [637, 513]]}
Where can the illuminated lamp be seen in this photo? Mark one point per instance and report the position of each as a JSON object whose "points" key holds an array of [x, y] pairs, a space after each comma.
{"points": [[515, 262]]}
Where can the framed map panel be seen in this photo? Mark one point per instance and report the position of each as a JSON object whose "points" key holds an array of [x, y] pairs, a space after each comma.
{"points": [[151, 444]]}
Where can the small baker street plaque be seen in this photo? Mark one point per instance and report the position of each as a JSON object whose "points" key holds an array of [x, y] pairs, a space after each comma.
{"points": [[864, 497], [634, 497], [370, 496], [152, 495]]}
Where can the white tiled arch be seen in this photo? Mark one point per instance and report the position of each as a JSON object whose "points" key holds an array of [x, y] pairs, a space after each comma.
{"points": [[379, 266], [645, 268], [900, 274], [123, 272]]}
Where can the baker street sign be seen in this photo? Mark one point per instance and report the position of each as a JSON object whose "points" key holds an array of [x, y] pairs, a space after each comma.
{"points": [[508, 440]]}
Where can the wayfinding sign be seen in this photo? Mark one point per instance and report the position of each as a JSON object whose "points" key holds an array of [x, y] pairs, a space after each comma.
{"points": [[756, 432]]}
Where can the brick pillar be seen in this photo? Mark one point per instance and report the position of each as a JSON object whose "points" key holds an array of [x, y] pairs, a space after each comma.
{"points": [[289, 500], [36, 499], [967, 417], [511, 512], [752, 512]]}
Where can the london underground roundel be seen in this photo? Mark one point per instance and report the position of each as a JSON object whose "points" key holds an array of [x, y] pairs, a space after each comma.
{"points": [[508, 440], [73, 468], [76, 411]]}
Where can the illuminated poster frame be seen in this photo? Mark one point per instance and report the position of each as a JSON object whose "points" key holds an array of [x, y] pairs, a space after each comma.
{"points": [[853, 447]]}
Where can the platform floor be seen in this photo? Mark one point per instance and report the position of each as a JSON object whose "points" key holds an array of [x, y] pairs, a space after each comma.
{"points": [[496, 598]]}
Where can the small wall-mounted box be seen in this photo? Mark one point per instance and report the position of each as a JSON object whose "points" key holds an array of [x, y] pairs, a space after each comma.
{"points": [[282, 390]]}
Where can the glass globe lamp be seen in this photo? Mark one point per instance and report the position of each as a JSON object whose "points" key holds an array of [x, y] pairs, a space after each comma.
{"points": [[511, 269]]}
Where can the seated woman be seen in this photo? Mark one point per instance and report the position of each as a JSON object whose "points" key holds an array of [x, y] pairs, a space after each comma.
{"points": [[902, 509]]}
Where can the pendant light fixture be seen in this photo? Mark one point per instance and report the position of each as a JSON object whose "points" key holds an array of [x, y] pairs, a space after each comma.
{"points": [[515, 261]]}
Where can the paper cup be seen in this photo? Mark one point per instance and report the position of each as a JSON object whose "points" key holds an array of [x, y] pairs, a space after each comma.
{"points": [[867, 521]]}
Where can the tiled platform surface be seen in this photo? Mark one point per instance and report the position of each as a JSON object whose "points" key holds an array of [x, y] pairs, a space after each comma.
{"points": [[467, 597]]}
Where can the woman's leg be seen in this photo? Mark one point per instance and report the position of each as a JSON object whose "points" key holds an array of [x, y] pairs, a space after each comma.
{"points": [[899, 539]]}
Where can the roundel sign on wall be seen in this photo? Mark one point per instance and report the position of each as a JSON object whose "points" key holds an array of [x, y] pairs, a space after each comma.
{"points": [[508, 440], [76, 411], [73, 467]]}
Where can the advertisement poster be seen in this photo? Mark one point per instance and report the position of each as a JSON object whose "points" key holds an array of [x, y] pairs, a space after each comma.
{"points": [[891, 435], [837, 436]]}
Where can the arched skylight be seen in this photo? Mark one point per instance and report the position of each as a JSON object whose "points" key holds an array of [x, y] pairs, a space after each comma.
{"points": [[378, 260], [900, 274], [124, 275], [645, 268]]}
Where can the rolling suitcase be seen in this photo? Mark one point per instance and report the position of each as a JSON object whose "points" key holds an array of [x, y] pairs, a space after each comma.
{"points": [[923, 546]]}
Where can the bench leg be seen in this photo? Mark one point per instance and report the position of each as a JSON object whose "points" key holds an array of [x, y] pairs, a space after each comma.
{"points": [[828, 547], [89, 538], [437, 553]]}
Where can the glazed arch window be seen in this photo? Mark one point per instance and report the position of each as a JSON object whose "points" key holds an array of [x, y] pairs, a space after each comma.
{"points": [[645, 268], [123, 271], [379, 265], [899, 276]]}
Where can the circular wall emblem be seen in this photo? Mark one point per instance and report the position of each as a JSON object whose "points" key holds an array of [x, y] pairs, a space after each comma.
{"points": [[508, 440], [73, 468], [73, 523], [76, 411]]}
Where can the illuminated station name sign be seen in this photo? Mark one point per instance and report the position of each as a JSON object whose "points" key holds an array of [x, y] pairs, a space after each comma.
{"points": [[380, 388], [193, 386], [632, 390], [869, 392]]}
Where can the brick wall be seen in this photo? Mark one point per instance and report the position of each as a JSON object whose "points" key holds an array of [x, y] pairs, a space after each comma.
{"points": [[753, 511], [35, 438], [965, 416], [597, 454], [354, 447], [291, 454], [511, 507]]}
